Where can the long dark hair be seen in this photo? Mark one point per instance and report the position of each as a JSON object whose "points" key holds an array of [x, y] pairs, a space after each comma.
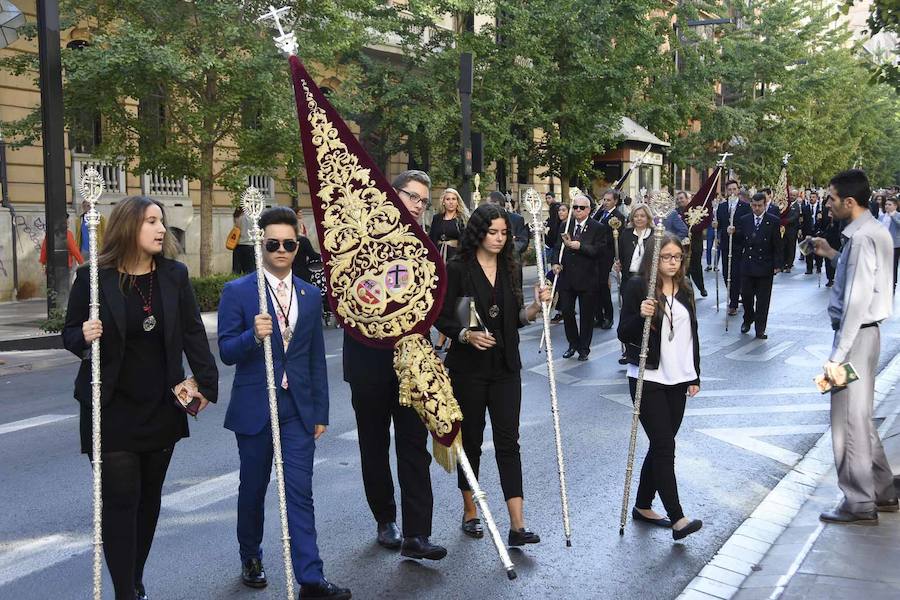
{"points": [[475, 232], [678, 279]]}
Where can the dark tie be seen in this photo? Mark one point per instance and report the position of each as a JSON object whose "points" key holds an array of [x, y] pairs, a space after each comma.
{"points": [[758, 219], [577, 231]]}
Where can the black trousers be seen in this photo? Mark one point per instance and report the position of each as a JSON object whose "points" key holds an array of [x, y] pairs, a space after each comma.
{"points": [[662, 409], [132, 493], [695, 266], [813, 258], [376, 405], [790, 247], [604, 309], [243, 261], [502, 397], [734, 292], [756, 294], [896, 261], [578, 334]]}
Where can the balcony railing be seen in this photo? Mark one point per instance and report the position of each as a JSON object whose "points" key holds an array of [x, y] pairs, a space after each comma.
{"points": [[264, 183], [158, 185], [113, 174]]}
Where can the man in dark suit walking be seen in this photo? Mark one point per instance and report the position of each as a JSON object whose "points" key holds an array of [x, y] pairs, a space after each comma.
{"points": [[728, 213], [577, 272], [791, 230], [814, 222], [374, 393], [606, 210], [760, 236]]}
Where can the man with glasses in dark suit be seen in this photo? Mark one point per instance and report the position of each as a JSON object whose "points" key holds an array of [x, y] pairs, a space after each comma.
{"points": [[578, 273]]}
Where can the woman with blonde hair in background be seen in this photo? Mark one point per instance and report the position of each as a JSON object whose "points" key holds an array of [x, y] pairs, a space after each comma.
{"points": [[445, 231]]}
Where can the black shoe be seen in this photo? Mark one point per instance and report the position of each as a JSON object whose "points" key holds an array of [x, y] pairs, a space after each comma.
{"points": [[889, 506], [557, 319], [419, 547], [253, 574], [520, 537], [324, 589], [708, 268], [704, 293], [623, 361], [732, 312], [389, 536], [830, 283], [761, 336], [745, 327], [583, 356], [569, 353], [473, 528], [606, 324], [692, 527], [842, 517], [818, 269], [637, 516], [808, 273], [139, 592]]}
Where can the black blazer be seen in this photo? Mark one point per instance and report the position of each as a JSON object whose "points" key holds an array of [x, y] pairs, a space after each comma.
{"points": [[520, 231], [581, 269], [762, 248], [460, 282], [627, 244], [305, 255], [821, 213], [364, 363], [631, 324], [184, 331], [607, 248], [723, 219]]}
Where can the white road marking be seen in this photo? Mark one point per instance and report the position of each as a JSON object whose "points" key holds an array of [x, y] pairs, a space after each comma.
{"points": [[623, 380], [625, 399], [33, 422], [745, 437], [747, 351], [815, 356], [22, 558]]}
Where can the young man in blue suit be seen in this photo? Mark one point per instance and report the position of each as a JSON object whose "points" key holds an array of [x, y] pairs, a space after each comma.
{"points": [[298, 354]]}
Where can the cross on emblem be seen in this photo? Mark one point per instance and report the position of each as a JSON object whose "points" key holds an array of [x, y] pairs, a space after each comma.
{"points": [[286, 40], [397, 277]]}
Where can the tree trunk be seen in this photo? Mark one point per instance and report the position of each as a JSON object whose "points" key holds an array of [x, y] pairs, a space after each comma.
{"points": [[206, 209]]}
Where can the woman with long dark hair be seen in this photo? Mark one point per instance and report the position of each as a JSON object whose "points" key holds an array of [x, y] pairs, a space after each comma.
{"points": [[484, 361], [149, 318], [672, 374]]}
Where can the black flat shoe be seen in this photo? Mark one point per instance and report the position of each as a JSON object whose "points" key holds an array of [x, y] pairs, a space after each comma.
{"points": [[323, 589], [704, 293], [473, 528], [389, 536], [583, 356], [661, 522], [692, 527], [761, 336], [842, 517], [606, 324], [623, 361], [419, 547], [253, 574], [520, 537], [569, 353], [745, 327], [139, 592]]}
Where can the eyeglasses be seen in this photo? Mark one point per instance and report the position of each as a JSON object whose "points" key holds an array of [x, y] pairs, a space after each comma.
{"points": [[414, 197], [672, 258], [577, 207], [273, 245]]}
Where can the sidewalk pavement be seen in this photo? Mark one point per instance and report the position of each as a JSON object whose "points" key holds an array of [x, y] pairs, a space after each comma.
{"points": [[784, 551]]}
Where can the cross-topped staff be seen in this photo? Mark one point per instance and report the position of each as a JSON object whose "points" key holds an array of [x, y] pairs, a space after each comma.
{"points": [[534, 205], [635, 165], [92, 186], [252, 202], [660, 204], [286, 40]]}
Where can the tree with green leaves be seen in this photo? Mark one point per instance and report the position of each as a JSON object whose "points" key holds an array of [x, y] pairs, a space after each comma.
{"points": [[194, 89]]}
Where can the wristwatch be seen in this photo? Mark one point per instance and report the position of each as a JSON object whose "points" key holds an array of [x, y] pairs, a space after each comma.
{"points": [[464, 336]]}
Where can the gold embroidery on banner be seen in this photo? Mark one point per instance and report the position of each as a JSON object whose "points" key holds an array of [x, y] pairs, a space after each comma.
{"points": [[367, 242]]}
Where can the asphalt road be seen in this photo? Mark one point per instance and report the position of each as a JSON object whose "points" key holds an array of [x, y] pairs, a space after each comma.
{"points": [[756, 415]]}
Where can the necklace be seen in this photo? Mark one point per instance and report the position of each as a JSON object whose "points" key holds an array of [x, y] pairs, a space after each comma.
{"points": [[670, 315], [288, 333], [147, 302], [494, 308]]}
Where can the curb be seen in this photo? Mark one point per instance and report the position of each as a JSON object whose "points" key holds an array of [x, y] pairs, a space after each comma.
{"points": [[738, 557]]}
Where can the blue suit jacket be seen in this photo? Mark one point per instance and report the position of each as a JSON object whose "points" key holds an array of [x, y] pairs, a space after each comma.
{"points": [[248, 411]]}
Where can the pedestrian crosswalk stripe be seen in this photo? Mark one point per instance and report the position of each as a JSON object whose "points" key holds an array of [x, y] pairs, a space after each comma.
{"points": [[746, 438], [32, 422]]}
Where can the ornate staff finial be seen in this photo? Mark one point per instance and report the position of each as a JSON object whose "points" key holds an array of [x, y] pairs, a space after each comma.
{"points": [[286, 40], [476, 195], [660, 203], [574, 192], [252, 202], [785, 159], [723, 157], [92, 186], [532, 202]]}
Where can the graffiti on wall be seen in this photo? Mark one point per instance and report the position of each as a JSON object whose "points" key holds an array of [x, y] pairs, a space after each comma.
{"points": [[33, 231]]}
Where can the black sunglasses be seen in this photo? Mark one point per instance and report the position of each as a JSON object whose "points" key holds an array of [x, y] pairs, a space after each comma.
{"points": [[576, 207], [274, 245]]}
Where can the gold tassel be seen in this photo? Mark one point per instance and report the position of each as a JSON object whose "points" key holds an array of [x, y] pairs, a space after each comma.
{"points": [[443, 455]]}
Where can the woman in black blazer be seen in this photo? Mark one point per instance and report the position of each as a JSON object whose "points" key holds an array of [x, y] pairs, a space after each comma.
{"points": [[445, 231], [635, 238], [148, 319], [484, 362], [672, 373]]}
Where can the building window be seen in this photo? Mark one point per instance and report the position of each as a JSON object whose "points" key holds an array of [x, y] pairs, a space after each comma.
{"points": [[86, 127], [152, 114]]}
